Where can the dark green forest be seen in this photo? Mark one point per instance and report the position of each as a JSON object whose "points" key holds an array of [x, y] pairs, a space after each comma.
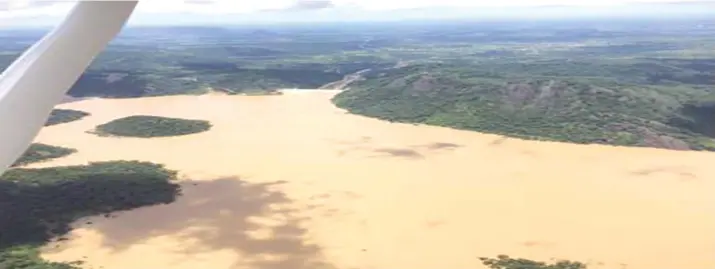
{"points": [[580, 84], [561, 108], [152, 126], [39, 204]]}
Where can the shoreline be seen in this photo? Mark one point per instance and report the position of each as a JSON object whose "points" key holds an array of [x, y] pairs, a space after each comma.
{"points": [[332, 92]]}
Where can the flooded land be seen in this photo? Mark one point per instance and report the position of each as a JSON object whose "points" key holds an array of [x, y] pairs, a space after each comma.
{"points": [[292, 182]]}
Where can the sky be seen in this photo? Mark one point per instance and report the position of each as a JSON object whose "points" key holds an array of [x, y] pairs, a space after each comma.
{"points": [[167, 12]]}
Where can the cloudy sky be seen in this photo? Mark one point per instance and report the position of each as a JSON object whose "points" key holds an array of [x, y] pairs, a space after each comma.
{"points": [[48, 12]]}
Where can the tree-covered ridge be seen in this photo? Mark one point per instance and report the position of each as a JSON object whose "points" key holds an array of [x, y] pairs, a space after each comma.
{"points": [[59, 116], [559, 108], [38, 204], [193, 60], [152, 126], [38, 152]]}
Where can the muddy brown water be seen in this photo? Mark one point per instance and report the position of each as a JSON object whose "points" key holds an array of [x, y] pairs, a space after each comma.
{"points": [[292, 182]]}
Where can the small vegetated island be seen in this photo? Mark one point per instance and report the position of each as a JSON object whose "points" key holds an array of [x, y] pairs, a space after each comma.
{"points": [[60, 116], [38, 152], [152, 126], [506, 262], [40, 204]]}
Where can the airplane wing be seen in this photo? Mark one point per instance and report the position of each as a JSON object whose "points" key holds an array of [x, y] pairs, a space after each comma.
{"points": [[37, 81]]}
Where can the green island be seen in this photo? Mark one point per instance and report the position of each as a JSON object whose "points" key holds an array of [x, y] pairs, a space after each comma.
{"points": [[152, 126], [59, 116], [506, 262], [38, 152], [38, 205]]}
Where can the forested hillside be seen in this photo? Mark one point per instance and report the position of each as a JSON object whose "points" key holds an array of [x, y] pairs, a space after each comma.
{"points": [[560, 108], [571, 86], [154, 61]]}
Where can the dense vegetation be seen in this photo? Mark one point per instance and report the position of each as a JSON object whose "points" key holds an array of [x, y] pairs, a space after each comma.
{"points": [[152, 126], [38, 204], [38, 152], [548, 108], [59, 116], [506, 262], [152, 61], [589, 85]]}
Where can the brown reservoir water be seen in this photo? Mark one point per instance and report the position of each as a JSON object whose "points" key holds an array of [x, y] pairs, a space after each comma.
{"points": [[292, 182]]}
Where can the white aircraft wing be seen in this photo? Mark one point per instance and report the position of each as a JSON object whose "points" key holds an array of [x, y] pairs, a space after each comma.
{"points": [[38, 80]]}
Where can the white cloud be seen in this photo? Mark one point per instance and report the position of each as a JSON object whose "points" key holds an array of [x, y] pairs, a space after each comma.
{"points": [[257, 5], [209, 6], [47, 9]]}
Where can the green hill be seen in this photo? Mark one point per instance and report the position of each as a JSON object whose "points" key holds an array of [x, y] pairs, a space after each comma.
{"points": [[152, 126], [534, 107]]}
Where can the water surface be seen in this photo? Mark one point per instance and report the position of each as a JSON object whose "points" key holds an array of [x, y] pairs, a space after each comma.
{"points": [[291, 182]]}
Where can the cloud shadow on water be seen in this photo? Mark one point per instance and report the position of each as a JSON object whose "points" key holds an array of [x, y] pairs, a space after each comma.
{"points": [[222, 214], [399, 152]]}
